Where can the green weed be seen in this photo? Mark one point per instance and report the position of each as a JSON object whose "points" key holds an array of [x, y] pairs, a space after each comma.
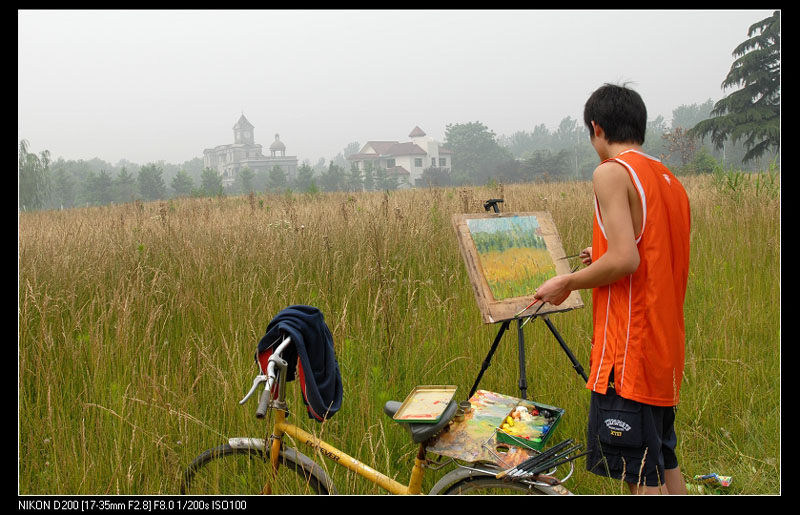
{"points": [[138, 324]]}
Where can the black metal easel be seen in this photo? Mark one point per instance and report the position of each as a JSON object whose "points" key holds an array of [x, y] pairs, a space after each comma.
{"points": [[523, 382]]}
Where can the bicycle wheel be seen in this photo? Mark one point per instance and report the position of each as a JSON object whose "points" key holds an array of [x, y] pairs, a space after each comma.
{"points": [[464, 481], [487, 485], [245, 470]]}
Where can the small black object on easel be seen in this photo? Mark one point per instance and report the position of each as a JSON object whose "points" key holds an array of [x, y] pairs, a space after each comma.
{"points": [[523, 382], [492, 204]]}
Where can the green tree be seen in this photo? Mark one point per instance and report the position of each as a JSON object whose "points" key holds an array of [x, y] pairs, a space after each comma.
{"points": [[511, 171], [182, 184], [333, 179], [369, 176], [305, 177], [703, 162], [277, 179], [476, 152], [34, 177], [351, 148], [261, 180], [247, 178], [687, 116], [194, 167], [568, 134], [320, 167], [384, 180], [653, 142], [103, 188], [210, 183], [125, 186], [355, 179], [544, 165], [752, 113], [63, 189], [573, 147], [435, 176], [69, 179], [151, 183], [518, 143]]}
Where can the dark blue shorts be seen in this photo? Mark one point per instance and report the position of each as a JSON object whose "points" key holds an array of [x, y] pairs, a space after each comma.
{"points": [[629, 440]]}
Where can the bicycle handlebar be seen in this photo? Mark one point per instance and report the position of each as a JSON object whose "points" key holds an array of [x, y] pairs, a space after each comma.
{"points": [[269, 378], [261, 411]]}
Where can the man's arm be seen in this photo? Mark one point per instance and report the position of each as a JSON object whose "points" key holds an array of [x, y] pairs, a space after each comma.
{"points": [[611, 186]]}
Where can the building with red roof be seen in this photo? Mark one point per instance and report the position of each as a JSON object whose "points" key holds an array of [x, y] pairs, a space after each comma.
{"points": [[407, 159]]}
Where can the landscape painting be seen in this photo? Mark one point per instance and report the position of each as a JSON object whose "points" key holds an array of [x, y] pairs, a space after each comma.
{"points": [[512, 253], [507, 257]]}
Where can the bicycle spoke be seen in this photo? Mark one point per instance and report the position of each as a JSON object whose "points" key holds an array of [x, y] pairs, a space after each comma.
{"points": [[236, 471], [491, 486]]}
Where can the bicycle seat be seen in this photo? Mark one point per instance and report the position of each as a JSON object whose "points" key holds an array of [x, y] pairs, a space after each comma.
{"points": [[422, 432]]}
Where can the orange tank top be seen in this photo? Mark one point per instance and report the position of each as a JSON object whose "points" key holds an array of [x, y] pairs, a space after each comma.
{"points": [[638, 320]]}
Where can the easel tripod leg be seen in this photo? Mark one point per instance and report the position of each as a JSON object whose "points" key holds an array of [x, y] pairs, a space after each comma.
{"points": [[523, 381], [575, 363], [488, 360]]}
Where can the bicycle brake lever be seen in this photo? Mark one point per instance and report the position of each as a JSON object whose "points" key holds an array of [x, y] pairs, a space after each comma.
{"points": [[262, 378]]}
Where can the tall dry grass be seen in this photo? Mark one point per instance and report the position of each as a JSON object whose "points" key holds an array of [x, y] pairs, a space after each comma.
{"points": [[138, 323]]}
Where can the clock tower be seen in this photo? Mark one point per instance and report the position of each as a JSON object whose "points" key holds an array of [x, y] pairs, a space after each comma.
{"points": [[243, 132]]}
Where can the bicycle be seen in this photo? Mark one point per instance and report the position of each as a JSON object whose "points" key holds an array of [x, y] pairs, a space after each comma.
{"points": [[269, 466]]}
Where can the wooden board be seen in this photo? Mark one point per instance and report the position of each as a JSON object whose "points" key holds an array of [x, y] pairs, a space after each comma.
{"points": [[508, 256], [474, 439]]}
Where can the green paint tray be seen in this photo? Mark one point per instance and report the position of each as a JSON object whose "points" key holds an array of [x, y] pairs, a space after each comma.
{"points": [[531, 431]]}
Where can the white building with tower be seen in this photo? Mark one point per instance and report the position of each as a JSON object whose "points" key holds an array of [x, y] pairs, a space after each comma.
{"points": [[244, 152]]}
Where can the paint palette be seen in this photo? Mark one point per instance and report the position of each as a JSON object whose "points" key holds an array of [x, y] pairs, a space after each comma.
{"points": [[425, 404], [531, 427], [476, 438]]}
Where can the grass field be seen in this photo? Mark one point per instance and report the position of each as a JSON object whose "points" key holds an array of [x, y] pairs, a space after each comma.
{"points": [[516, 272], [138, 323]]}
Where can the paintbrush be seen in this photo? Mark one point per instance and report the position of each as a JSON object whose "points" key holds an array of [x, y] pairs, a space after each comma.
{"points": [[538, 457], [529, 465], [529, 306], [556, 463], [542, 465], [534, 314], [540, 300]]}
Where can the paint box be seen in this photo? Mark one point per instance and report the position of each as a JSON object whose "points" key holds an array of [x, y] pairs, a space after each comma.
{"points": [[532, 430]]}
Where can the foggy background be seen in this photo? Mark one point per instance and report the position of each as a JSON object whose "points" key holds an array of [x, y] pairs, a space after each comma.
{"points": [[149, 86]]}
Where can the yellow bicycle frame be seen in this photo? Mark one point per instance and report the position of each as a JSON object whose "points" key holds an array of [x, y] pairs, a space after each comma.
{"points": [[282, 427]]}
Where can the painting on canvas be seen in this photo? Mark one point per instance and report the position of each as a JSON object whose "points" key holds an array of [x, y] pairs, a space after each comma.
{"points": [[508, 256]]}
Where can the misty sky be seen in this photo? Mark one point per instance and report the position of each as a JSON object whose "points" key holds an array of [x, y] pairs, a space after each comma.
{"points": [[151, 86]]}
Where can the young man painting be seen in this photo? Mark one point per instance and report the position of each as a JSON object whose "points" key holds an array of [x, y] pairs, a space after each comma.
{"points": [[638, 267]]}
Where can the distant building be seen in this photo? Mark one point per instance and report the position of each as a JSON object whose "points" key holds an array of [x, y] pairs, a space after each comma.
{"points": [[244, 152], [406, 160]]}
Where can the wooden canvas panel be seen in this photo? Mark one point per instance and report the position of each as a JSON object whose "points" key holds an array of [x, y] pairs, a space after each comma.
{"points": [[508, 256]]}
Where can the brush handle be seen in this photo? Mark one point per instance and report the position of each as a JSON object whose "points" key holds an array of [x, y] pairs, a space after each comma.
{"points": [[536, 459]]}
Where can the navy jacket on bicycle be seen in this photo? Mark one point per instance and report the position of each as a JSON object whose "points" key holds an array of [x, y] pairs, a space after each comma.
{"points": [[311, 358]]}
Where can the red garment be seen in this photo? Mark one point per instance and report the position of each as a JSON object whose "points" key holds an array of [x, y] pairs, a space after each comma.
{"points": [[638, 320]]}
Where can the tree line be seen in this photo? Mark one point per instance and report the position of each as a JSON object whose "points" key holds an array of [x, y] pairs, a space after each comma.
{"points": [[479, 157], [498, 241], [741, 130]]}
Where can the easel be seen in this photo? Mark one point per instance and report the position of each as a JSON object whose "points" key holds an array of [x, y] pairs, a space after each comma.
{"points": [[521, 321]]}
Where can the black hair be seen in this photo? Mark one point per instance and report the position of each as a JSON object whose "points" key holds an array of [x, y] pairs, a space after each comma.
{"points": [[620, 111]]}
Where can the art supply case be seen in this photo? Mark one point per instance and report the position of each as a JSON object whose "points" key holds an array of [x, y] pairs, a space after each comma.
{"points": [[533, 433]]}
